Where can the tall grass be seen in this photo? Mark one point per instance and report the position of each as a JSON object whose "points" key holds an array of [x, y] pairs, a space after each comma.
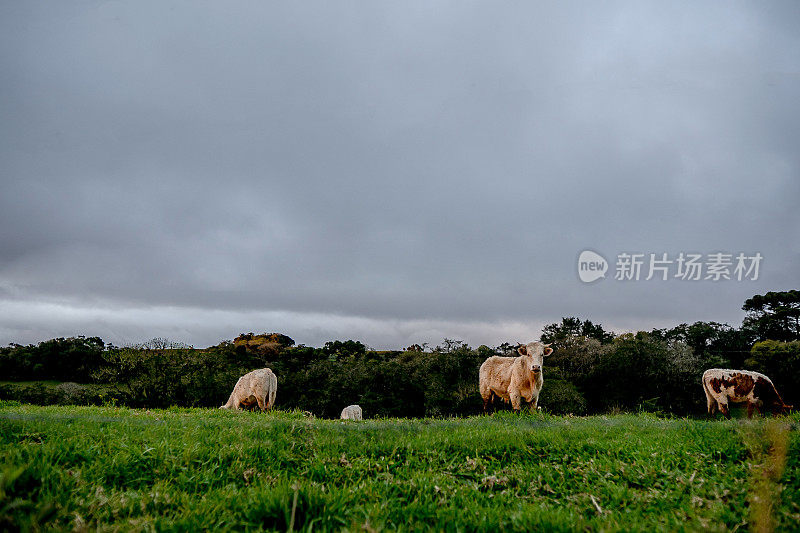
{"points": [[178, 469]]}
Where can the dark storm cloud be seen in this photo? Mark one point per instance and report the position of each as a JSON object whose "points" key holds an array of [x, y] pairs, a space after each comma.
{"points": [[386, 171]]}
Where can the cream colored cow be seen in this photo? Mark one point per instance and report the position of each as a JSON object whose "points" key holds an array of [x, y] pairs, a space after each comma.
{"points": [[256, 387], [514, 379], [351, 412]]}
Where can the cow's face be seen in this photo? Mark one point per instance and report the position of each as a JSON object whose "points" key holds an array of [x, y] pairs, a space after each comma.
{"points": [[782, 409], [536, 351]]}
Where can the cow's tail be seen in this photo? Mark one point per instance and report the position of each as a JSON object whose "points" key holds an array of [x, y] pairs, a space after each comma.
{"points": [[273, 390], [777, 397]]}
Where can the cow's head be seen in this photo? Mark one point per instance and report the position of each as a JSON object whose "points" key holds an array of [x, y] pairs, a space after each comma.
{"points": [[780, 408], [536, 351]]}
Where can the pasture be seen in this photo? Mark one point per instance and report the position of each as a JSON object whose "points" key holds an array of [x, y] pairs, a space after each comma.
{"points": [[111, 468]]}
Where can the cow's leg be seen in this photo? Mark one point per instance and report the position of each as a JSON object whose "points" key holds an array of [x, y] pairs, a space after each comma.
{"points": [[711, 404], [515, 401], [723, 408], [261, 403], [534, 403], [496, 402], [750, 407], [486, 394], [488, 398]]}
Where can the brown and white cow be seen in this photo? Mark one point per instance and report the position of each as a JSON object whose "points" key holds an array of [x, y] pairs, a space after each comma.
{"points": [[514, 378], [722, 386]]}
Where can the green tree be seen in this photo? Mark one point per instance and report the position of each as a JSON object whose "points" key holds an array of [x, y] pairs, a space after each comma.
{"points": [[773, 316], [572, 326], [340, 349], [714, 343]]}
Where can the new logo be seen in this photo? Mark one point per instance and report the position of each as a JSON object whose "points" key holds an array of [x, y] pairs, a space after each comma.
{"points": [[591, 266]]}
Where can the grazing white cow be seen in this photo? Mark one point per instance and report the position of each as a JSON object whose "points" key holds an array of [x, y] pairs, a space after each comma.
{"points": [[351, 412], [722, 386], [256, 387], [514, 378]]}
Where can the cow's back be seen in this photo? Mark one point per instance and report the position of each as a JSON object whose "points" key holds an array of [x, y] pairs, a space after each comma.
{"points": [[260, 383], [738, 384], [497, 367], [352, 412], [262, 379]]}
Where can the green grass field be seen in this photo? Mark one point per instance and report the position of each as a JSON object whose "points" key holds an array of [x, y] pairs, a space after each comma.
{"points": [[112, 468]]}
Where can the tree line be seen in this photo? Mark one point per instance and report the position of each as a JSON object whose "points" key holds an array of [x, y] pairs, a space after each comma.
{"points": [[591, 370]]}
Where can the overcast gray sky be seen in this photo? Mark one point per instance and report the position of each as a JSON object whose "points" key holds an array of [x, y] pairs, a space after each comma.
{"points": [[391, 172]]}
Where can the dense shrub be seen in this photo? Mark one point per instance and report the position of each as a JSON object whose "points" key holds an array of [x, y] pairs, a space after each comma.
{"points": [[449, 379], [174, 376], [781, 362], [67, 393], [561, 397], [632, 372], [590, 371], [70, 359], [583, 375], [639, 370], [574, 359]]}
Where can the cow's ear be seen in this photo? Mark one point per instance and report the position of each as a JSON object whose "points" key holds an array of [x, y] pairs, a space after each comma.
{"points": [[522, 350], [547, 351]]}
